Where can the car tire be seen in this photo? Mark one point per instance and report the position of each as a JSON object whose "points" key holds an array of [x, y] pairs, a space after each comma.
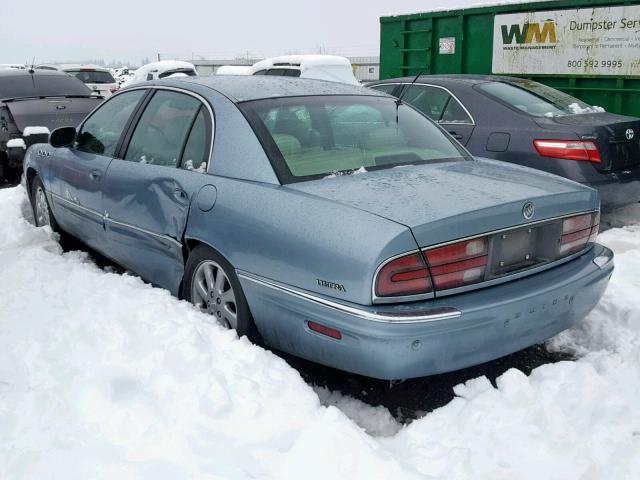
{"points": [[3, 167], [42, 214], [220, 296]]}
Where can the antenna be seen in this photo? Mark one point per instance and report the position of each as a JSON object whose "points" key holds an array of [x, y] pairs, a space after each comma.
{"points": [[399, 100], [404, 90]]}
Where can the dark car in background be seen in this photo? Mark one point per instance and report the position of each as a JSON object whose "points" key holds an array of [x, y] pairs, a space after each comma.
{"points": [[524, 122], [32, 102]]}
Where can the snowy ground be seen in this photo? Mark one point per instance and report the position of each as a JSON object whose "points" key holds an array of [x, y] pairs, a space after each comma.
{"points": [[105, 377]]}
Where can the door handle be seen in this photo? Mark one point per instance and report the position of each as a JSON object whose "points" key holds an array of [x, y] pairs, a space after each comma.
{"points": [[455, 135], [95, 175]]}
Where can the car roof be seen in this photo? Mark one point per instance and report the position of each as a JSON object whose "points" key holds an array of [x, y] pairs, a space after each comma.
{"points": [[241, 88], [97, 68], [453, 78], [24, 72]]}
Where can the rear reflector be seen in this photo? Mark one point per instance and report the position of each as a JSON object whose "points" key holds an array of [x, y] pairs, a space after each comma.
{"points": [[583, 150], [329, 332], [458, 264], [406, 275]]}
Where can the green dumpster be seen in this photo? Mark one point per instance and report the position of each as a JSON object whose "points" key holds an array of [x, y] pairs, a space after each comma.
{"points": [[587, 48]]}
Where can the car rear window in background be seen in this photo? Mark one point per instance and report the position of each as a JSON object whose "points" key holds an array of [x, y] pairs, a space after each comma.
{"points": [[38, 85], [534, 98], [185, 71], [318, 136], [92, 76]]}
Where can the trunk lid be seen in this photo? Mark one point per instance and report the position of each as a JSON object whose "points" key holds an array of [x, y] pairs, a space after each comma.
{"points": [[617, 136], [446, 201], [51, 112]]}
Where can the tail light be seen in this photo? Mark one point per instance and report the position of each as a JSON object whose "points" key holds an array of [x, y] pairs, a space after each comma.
{"points": [[113, 90], [577, 231], [406, 275], [584, 150], [458, 264], [466, 262]]}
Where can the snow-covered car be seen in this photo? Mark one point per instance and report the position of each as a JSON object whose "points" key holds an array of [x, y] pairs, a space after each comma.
{"points": [[161, 69], [321, 67], [98, 79], [32, 102], [278, 206], [234, 70]]}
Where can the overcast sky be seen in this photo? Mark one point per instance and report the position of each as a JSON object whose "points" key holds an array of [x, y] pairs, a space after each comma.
{"points": [[68, 30]]}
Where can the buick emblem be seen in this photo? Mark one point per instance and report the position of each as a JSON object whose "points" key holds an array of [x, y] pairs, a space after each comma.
{"points": [[629, 134], [527, 210]]}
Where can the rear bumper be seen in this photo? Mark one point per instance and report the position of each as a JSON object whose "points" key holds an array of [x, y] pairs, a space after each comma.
{"points": [[618, 189], [443, 334]]}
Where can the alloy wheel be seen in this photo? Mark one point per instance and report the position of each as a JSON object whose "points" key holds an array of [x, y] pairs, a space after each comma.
{"points": [[211, 292]]}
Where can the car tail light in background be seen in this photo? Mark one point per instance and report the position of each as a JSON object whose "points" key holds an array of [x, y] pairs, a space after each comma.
{"points": [[407, 275], [458, 264], [584, 150], [577, 232], [113, 90]]}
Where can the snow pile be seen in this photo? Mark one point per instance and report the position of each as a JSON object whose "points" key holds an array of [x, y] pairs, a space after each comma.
{"points": [[339, 173], [105, 377], [35, 131], [16, 143], [577, 109]]}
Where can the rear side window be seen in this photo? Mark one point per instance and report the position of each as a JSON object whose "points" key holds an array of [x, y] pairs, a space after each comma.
{"points": [[386, 88], [436, 103], [101, 132], [196, 152], [430, 101], [162, 129]]}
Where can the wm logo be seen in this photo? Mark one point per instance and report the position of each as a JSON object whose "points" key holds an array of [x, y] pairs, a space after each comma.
{"points": [[529, 33]]}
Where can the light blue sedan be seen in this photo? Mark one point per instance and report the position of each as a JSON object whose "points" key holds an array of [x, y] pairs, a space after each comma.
{"points": [[330, 221]]}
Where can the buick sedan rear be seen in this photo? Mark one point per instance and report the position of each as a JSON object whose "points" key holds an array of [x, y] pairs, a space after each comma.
{"points": [[331, 222]]}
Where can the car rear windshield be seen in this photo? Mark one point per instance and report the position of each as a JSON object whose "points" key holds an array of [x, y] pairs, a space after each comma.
{"points": [[536, 99], [20, 86], [91, 76], [313, 137], [185, 71]]}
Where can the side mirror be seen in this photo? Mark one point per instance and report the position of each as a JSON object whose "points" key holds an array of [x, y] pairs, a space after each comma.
{"points": [[62, 137]]}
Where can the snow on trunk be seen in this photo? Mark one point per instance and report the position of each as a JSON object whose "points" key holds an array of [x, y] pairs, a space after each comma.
{"points": [[103, 376]]}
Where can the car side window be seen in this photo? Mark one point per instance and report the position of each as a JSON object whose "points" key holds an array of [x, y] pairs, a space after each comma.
{"points": [[163, 128], [385, 87], [454, 112], [196, 152], [429, 100], [101, 132]]}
